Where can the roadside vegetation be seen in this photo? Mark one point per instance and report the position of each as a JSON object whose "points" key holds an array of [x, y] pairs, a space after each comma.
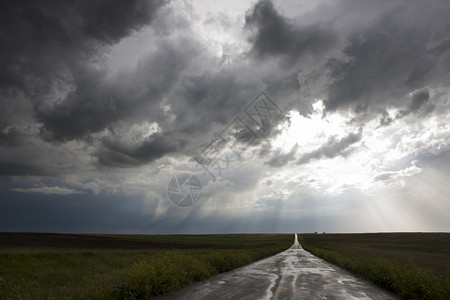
{"points": [[392, 268], [175, 269], [32, 269]]}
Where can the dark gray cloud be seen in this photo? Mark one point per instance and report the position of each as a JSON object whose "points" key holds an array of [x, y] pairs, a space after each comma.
{"points": [[106, 100], [41, 38], [9, 136], [332, 148], [406, 49], [275, 35], [281, 159], [114, 153], [22, 169], [62, 43], [200, 105], [51, 48], [419, 104], [201, 96], [386, 119], [418, 99], [95, 102]]}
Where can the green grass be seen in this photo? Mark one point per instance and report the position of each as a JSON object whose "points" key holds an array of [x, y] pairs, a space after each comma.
{"points": [[174, 269], [43, 273], [63, 275], [430, 251], [402, 276]]}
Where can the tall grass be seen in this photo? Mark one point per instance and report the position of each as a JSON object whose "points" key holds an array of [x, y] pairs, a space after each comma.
{"points": [[174, 269], [63, 275], [156, 276], [126, 274], [406, 280]]}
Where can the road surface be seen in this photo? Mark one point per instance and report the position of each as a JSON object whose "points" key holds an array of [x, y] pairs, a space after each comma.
{"points": [[292, 274]]}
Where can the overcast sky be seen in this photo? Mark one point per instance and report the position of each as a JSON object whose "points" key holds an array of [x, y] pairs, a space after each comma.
{"points": [[341, 110]]}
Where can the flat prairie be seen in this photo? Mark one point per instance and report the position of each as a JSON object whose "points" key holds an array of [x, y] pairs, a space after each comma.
{"points": [[430, 251], [113, 266]]}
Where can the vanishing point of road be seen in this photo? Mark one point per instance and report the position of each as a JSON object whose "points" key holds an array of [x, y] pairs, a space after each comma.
{"points": [[291, 274]]}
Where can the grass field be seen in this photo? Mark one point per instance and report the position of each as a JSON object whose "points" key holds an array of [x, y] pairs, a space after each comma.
{"points": [[413, 265], [77, 266], [66, 266]]}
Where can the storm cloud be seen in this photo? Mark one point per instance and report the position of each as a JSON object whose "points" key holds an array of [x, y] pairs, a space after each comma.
{"points": [[108, 100], [405, 50], [276, 35], [332, 148], [50, 40]]}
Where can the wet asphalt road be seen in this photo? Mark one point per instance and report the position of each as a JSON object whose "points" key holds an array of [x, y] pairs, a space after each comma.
{"points": [[292, 274]]}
